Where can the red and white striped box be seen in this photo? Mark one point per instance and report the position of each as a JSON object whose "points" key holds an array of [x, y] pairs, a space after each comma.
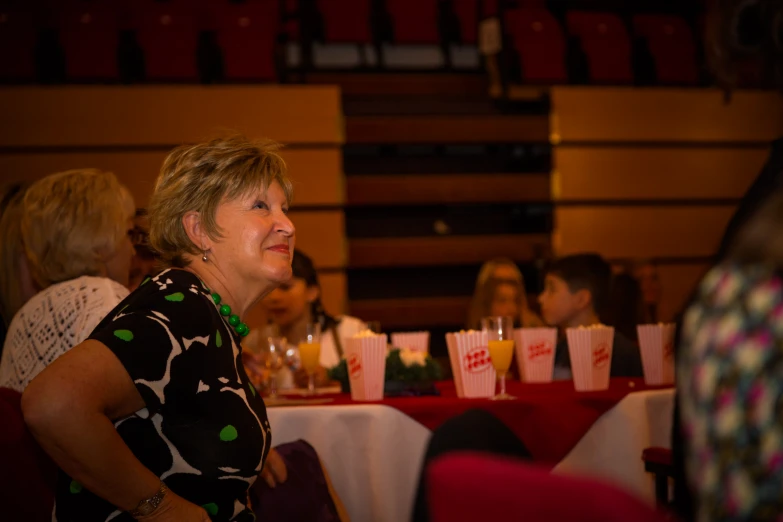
{"points": [[417, 341], [656, 343], [591, 356], [366, 360], [535, 349], [471, 364]]}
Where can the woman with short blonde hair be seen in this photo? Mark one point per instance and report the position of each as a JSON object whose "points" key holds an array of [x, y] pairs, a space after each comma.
{"points": [[74, 228], [158, 392]]}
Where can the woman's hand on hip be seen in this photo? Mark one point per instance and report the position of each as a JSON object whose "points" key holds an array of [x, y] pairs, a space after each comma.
{"points": [[174, 508]]}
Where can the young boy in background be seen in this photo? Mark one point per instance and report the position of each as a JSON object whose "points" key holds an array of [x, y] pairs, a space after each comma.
{"points": [[576, 291]]}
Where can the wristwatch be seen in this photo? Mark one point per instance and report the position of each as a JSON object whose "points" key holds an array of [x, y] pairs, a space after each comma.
{"points": [[147, 506]]}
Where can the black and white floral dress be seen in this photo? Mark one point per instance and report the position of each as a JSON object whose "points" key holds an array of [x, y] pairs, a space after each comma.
{"points": [[204, 430]]}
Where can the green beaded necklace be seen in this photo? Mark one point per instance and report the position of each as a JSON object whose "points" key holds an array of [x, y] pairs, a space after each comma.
{"points": [[233, 319]]}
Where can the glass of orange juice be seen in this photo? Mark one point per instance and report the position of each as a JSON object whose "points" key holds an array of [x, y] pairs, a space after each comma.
{"points": [[500, 336], [310, 353]]}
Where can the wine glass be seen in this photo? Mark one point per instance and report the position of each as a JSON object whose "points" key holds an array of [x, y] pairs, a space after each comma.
{"points": [[310, 353], [500, 334], [274, 354]]}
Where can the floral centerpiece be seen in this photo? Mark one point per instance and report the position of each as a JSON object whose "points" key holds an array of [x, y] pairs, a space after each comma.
{"points": [[408, 372]]}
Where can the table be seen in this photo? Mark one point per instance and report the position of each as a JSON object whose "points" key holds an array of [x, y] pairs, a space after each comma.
{"points": [[373, 451]]}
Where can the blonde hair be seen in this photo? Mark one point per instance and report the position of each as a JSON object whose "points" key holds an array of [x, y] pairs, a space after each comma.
{"points": [[199, 178], [73, 222], [485, 288], [11, 253]]}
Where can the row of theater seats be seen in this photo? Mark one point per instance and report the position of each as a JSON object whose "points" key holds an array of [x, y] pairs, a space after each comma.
{"points": [[596, 48], [192, 40]]}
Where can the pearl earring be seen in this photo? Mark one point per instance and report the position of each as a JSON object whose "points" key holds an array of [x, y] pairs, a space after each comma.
{"points": [[204, 257]]}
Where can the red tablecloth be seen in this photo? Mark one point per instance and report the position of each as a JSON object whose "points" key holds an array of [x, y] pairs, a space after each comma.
{"points": [[549, 418]]}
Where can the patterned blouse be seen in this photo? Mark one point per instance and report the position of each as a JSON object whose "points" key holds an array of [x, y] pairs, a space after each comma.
{"points": [[730, 377], [204, 429]]}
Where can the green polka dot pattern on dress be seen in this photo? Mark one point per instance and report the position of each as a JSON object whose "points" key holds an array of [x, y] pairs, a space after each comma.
{"points": [[125, 335], [252, 388], [75, 487], [211, 508], [218, 339], [228, 433], [176, 297]]}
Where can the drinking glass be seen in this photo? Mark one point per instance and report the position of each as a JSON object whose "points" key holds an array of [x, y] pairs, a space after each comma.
{"points": [[500, 334], [274, 354], [310, 353]]}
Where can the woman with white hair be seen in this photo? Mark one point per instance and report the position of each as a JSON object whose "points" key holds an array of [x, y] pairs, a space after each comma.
{"points": [[74, 229]]}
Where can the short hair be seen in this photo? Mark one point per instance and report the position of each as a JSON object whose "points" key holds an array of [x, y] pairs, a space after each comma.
{"points": [[199, 178], [11, 251], [588, 272], [73, 222]]}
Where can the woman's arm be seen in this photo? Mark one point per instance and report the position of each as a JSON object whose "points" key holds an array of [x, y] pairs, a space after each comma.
{"points": [[69, 408]]}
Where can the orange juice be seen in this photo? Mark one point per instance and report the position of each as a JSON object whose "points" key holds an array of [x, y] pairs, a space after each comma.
{"points": [[310, 355], [500, 352]]}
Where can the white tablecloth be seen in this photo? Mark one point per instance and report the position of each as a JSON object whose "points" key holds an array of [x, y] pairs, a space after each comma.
{"points": [[373, 453]]}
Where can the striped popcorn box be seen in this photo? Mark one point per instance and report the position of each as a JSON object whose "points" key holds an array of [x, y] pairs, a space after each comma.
{"points": [[591, 356], [418, 341], [535, 349], [474, 374], [656, 342], [366, 360]]}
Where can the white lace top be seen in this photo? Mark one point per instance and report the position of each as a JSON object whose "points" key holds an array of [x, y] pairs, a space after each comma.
{"points": [[52, 322]]}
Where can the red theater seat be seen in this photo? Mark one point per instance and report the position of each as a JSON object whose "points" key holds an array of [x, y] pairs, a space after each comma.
{"points": [[247, 35], [89, 35], [539, 41], [670, 41], [346, 21], [18, 36], [467, 12], [605, 41], [465, 488], [168, 34], [414, 21]]}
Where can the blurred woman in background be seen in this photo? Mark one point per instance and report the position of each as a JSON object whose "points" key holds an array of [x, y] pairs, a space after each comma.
{"points": [[500, 290], [75, 228], [16, 283]]}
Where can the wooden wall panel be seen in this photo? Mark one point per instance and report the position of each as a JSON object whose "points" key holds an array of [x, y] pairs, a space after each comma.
{"points": [[321, 235], [408, 313], [586, 114], [316, 173], [446, 250], [446, 188], [79, 116], [678, 281], [650, 173], [334, 292], [645, 231]]}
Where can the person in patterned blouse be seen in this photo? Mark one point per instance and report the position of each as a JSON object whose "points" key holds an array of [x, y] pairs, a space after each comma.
{"points": [[731, 380], [153, 417]]}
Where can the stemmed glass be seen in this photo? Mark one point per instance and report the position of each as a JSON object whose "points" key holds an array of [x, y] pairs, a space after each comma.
{"points": [[274, 355], [310, 353], [500, 334]]}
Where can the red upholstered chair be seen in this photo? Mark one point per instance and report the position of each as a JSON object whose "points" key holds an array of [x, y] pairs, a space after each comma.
{"points": [[247, 34], [18, 36], [465, 488], [538, 39], [658, 461], [28, 476], [414, 21], [346, 21], [671, 44], [168, 35], [605, 41], [89, 35]]}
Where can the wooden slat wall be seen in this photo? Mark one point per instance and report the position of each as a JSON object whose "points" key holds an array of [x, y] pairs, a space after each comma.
{"points": [[129, 130], [655, 173]]}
